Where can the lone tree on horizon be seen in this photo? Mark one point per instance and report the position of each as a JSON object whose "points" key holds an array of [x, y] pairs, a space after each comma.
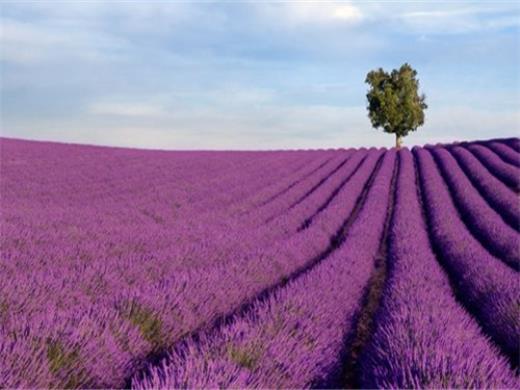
{"points": [[394, 102]]}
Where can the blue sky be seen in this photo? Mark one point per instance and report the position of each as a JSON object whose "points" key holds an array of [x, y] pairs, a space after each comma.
{"points": [[252, 75]]}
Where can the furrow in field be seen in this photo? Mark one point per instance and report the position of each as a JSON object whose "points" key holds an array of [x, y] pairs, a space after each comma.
{"points": [[486, 286], [336, 186], [505, 152], [291, 221], [227, 188], [271, 210], [264, 173], [481, 220], [294, 337], [348, 374], [252, 241], [279, 206], [423, 338], [318, 184], [207, 193], [513, 143], [269, 190], [295, 182], [498, 195], [231, 235], [507, 173]]}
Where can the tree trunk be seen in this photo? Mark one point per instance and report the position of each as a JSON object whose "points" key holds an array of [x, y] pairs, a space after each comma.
{"points": [[398, 141]]}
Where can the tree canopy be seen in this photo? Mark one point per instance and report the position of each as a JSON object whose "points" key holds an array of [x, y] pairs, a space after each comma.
{"points": [[394, 103]]}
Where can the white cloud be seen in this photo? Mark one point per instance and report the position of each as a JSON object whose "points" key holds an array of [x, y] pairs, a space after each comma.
{"points": [[313, 12], [125, 109], [421, 17], [459, 123], [460, 17], [347, 12], [25, 43]]}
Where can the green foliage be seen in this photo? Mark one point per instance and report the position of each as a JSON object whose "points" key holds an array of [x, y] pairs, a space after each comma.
{"points": [[64, 362], [147, 322], [246, 357], [394, 103], [4, 310]]}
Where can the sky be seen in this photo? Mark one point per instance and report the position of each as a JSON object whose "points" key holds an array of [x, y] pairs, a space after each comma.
{"points": [[252, 75]]}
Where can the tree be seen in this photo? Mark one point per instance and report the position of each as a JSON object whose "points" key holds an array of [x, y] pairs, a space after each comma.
{"points": [[394, 103]]}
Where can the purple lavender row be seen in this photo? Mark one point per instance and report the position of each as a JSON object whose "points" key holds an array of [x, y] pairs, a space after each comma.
{"points": [[287, 223], [283, 186], [161, 311], [506, 153], [296, 189], [283, 223], [485, 284], [286, 188], [279, 190], [508, 173], [278, 206], [282, 227], [232, 228], [294, 338], [269, 181], [318, 200], [511, 142], [484, 222], [221, 186], [227, 186], [499, 196], [423, 338], [245, 191]]}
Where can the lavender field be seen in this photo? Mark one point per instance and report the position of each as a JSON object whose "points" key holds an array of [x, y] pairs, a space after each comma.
{"points": [[366, 268]]}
